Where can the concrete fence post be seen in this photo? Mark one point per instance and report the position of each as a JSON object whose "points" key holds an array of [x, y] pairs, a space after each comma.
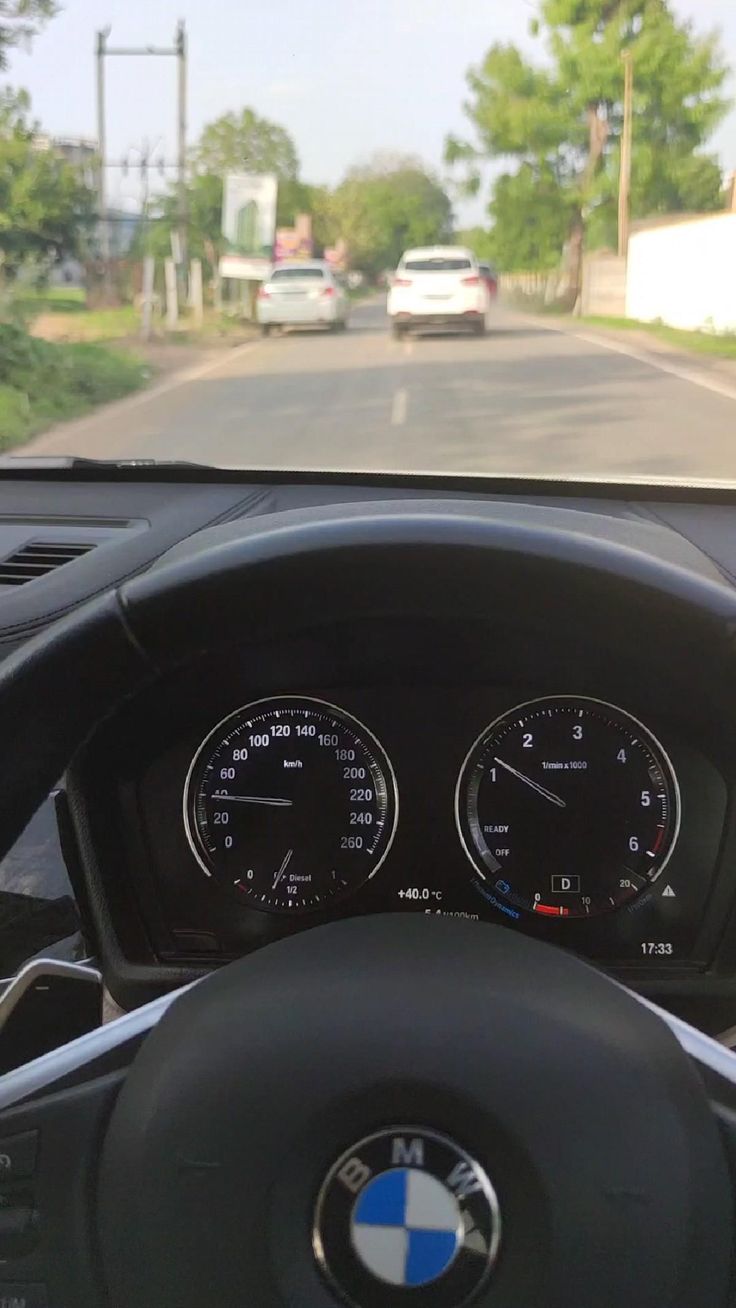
{"points": [[172, 295], [196, 298]]}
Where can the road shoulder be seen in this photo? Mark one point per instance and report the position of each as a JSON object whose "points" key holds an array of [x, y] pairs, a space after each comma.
{"points": [[193, 364], [714, 374]]}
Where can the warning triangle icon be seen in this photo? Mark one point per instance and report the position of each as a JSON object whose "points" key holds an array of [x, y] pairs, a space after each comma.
{"points": [[668, 893]]}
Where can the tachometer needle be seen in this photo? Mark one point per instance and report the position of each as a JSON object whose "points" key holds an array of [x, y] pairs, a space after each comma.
{"points": [[546, 794], [282, 869], [254, 799]]}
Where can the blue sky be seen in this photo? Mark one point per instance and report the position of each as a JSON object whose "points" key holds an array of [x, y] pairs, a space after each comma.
{"points": [[346, 77]]}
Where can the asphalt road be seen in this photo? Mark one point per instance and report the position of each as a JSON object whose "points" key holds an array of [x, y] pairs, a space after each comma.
{"points": [[528, 399]]}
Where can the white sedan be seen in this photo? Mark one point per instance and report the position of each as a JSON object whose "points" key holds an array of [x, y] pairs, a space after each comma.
{"points": [[303, 295]]}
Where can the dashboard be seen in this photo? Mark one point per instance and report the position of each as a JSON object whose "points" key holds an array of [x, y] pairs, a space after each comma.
{"points": [[500, 768]]}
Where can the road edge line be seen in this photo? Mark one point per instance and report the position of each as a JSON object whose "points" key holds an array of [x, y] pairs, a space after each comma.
{"points": [[673, 370]]}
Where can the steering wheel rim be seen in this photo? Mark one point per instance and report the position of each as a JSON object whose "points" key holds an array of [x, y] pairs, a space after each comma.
{"points": [[319, 568]]}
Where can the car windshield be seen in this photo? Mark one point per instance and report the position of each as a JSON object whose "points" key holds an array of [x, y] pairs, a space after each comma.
{"points": [[172, 174]]}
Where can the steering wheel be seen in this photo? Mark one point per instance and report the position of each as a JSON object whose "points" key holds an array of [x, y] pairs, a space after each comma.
{"points": [[385, 1110]]}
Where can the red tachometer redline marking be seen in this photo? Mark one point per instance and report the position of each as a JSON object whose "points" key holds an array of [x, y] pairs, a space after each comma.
{"points": [[659, 840]]}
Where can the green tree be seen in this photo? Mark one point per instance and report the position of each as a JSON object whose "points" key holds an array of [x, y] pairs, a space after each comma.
{"points": [[294, 197], [532, 212], [20, 20], [563, 122], [317, 201], [245, 142], [480, 240], [235, 142], [204, 208], [45, 208], [384, 207]]}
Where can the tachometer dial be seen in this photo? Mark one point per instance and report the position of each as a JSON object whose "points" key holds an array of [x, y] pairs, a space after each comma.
{"points": [[290, 803], [567, 807]]}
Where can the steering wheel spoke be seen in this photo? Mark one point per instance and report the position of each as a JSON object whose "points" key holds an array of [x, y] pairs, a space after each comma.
{"points": [[716, 1064], [54, 1113], [48, 1157]]}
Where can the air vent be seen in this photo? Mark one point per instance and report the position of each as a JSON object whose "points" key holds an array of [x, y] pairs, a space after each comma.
{"points": [[39, 557]]}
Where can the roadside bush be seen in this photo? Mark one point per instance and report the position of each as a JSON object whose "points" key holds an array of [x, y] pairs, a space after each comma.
{"points": [[100, 374], [14, 416], [41, 382], [19, 352]]}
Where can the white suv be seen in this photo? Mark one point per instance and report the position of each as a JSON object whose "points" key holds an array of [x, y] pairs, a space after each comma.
{"points": [[438, 286]]}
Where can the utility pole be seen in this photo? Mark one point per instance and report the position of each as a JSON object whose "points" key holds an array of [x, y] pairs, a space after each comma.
{"points": [[181, 52], [101, 153], [625, 162]]}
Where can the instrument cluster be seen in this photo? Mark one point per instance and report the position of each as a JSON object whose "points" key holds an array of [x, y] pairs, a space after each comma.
{"points": [[564, 806], [561, 815]]}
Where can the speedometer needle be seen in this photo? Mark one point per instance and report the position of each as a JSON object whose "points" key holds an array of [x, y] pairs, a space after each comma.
{"points": [[282, 869], [254, 799], [546, 794]]}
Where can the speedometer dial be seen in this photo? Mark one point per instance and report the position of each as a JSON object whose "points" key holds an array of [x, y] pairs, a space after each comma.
{"points": [[290, 803], [567, 807]]}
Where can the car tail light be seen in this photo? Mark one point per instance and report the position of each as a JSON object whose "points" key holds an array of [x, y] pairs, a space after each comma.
{"points": [[263, 293], [401, 281], [471, 281], [329, 290]]}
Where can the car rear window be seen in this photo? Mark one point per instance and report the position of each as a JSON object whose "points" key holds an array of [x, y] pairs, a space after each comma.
{"points": [[297, 274], [440, 264]]}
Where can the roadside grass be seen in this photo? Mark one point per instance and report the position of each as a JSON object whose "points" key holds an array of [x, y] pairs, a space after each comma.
{"points": [[721, 346], [216, 328], [364, 292], [50, 299], [124, 324], [83, 325], [42, 382]]}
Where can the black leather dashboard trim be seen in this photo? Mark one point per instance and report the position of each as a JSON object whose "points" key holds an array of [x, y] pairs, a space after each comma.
{"points": [[171, 513]]}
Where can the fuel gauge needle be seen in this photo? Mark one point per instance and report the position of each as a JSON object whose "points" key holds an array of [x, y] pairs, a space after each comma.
{"points": [[546, 794], [282, 869]]}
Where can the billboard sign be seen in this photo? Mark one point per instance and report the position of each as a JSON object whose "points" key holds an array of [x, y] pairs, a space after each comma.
{"points": [[290, 245], [239, 267], [249, 213], [337, 256], [295, 242]]}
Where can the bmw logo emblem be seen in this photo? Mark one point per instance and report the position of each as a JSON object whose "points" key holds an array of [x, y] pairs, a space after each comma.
{"points": [[406, 1209]]}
